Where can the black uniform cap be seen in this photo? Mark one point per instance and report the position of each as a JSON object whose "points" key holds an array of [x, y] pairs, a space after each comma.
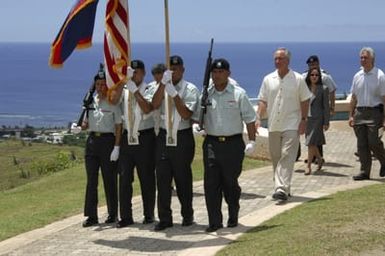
{"points": [[176, 60], [220, 64], [137, 64], [312, 58]]}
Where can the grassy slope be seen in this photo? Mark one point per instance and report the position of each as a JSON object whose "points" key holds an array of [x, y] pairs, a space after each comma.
{"points": [[27, 155], [346, 223]]}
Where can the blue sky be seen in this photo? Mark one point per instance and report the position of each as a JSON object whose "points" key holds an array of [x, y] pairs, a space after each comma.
{"points": [[199, 20]]}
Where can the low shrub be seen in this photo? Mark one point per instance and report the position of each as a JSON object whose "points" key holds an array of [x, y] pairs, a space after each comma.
{"points": [[62, 160]]}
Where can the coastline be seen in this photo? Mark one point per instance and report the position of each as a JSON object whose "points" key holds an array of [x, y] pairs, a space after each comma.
{"points": [[55, 96]]}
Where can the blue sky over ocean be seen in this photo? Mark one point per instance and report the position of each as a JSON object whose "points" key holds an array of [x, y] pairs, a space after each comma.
{"points": [[199, 20]]}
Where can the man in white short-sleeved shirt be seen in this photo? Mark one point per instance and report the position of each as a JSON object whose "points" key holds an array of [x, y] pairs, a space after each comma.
{"points": [[367, 113], [285, 96]]}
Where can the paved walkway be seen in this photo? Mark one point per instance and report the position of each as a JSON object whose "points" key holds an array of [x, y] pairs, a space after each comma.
{"points": [[67, 237]]}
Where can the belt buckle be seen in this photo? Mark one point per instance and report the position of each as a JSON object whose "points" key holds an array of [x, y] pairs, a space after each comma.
{"points": [[222, 138], [98, 134]]}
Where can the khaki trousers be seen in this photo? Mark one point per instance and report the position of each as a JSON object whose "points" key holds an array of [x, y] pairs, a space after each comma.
{"points": [[283, 150]]}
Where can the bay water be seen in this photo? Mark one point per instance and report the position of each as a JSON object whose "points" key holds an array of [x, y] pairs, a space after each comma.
{"points": [[32, 93]]}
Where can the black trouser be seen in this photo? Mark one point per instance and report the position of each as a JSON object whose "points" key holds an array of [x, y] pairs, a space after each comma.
{"points": [[223, 165], [175, 162], [142, 157], [366, 125], [98, 151]]}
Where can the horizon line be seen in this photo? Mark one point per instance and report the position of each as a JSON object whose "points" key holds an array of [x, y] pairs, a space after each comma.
{"points": [[224, 42]]}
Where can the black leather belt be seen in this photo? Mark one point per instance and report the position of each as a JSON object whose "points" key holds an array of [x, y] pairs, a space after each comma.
{"points": [[145, 131], [101, 134], [179, 131], [225, 138]]}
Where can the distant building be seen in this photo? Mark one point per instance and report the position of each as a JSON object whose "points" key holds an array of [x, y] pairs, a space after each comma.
{"points": [[55, 138]]}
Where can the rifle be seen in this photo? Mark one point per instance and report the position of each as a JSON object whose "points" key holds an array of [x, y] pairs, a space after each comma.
{"points": [[206, 80], [89, 97], [87, 101]]}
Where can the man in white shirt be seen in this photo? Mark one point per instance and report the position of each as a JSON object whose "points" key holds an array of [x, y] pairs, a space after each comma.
{"points": [[367, 113], [285, 96]]}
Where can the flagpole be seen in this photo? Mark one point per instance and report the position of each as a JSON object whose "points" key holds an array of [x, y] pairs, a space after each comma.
{"points": [[167, 30], [168, 99], [128, 37], [130, 112]]}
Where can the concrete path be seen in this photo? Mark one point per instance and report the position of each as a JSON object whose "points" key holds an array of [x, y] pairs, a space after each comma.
{"points": [[67, 237]]}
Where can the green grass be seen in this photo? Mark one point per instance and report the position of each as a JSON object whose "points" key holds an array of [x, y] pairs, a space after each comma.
{"points": [[347, 223], [40, 200], [24, 159]]}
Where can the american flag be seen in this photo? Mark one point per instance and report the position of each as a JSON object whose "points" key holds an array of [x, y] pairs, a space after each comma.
{"points": [[76, 32], [116, 43]]}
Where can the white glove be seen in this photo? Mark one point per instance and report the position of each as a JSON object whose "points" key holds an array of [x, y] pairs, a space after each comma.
{"points": [[75, 129], [197, 130], [167, 77], [250, 148], [130, 72], [131, 86], [115, 153], [170, 89]]}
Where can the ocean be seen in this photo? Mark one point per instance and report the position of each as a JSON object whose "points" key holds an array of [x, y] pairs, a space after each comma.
{"points": [[32, 93]]}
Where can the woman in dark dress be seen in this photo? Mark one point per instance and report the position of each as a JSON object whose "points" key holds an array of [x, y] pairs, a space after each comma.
{"points": [[318, 117]]}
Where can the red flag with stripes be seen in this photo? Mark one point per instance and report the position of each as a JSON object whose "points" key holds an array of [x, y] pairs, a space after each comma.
{"points": [[116, 43]]}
